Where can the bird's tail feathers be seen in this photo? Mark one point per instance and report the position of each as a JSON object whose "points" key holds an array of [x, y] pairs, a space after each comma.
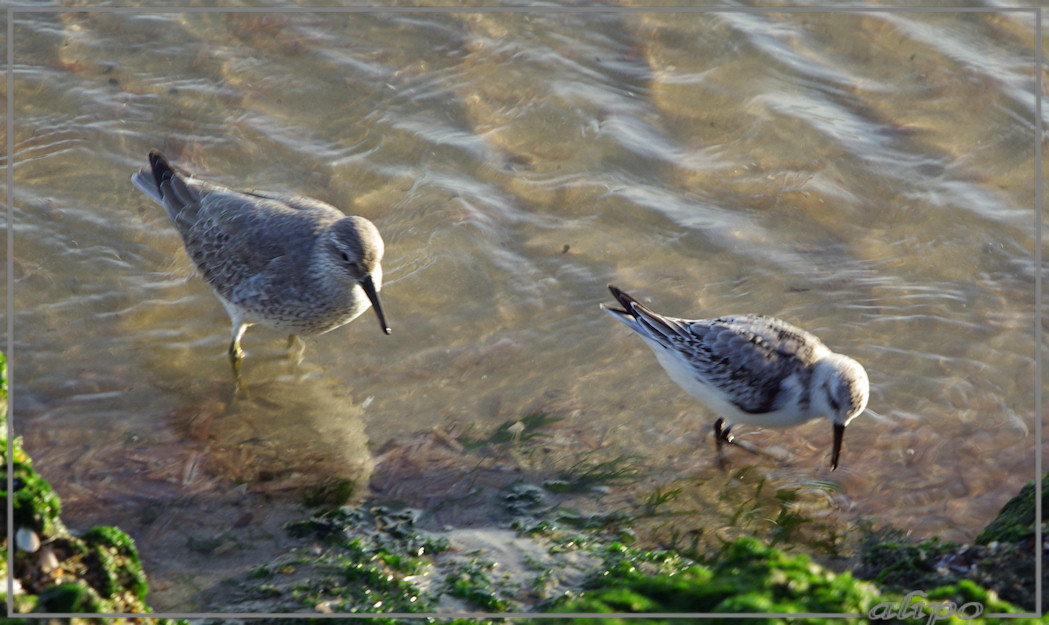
{"points": [[167, 186], [642, 320]]}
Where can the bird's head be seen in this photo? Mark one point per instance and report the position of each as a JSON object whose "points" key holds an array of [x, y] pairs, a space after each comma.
{"points": [[354, 248], [840, 391]]}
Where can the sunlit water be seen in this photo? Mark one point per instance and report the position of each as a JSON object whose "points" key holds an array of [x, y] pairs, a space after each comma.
{"points": [[869, 177]]}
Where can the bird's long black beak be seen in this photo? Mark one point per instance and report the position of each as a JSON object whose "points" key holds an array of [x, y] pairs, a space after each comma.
{"points": [[373, 295], [839, 431]]}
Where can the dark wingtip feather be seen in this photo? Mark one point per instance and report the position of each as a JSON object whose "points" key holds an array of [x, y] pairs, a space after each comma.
{"points": [[624, 300], [162, 170], [648, 322]]}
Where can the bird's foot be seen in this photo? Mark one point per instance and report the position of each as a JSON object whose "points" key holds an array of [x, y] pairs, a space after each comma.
{"points": [[722, 436]]}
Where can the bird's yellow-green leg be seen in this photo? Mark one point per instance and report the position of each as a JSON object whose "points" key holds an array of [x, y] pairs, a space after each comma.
{"points": [[297, 347], [236, 354]]}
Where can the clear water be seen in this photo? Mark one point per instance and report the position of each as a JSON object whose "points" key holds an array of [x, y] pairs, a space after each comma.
{"points": [[867, 176]]}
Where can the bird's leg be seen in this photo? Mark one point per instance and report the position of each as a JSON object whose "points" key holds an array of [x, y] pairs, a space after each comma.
{"points": [[721, 435], [297, 347], [236, 354]]}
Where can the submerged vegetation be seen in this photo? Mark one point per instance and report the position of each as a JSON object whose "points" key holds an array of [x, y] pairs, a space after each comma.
{"points": [[549, 567], [558, 558], [557, 549]]}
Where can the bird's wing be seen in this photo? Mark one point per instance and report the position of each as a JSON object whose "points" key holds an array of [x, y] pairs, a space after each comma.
{"points": [[237, 239], [747, 357], [298, 202]]}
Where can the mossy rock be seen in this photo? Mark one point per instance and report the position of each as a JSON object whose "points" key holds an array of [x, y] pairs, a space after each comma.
{"points": [[1015, 521], [1001, 559], [967, 591], [36, 506], [746, 577], [113, 561], [74, 597], [902, 566], [97, 572]]}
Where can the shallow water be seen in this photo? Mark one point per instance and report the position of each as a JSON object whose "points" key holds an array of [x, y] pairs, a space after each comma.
{"points": [[867, 176]]}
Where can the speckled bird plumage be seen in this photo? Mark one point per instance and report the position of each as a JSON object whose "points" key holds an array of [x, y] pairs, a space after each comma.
{"points": [[751, 369], [287, 262]]}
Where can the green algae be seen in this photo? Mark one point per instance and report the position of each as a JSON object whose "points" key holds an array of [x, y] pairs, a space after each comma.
{"points": [[588, 475], [511, 432], [1015, 521], [36, 506], [591, 562], [746, 576], [358, 563], [1001, 559], [113, 558], [375, 559], [475, 581], [97, 572], [72, 597]]}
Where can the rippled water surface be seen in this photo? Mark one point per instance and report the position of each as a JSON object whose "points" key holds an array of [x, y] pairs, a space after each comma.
{"points": [[867, 176]]}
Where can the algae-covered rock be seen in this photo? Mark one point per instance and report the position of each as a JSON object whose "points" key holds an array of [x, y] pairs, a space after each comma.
{"points": [[746, 577], [1001, 560], [54, 570], [113, 561], [1015, 521], [36, 506]]}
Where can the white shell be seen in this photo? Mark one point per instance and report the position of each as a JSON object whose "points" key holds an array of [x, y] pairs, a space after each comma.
{"points": [[27, 540]]}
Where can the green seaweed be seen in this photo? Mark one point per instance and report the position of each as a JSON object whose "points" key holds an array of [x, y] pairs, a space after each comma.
{"points": [[1001, 558], [746, 576], [73, 597], [329, 494], [588, 475], [511, 432], [99, 571], [1015, 521], [473, 582], [116, 560]]}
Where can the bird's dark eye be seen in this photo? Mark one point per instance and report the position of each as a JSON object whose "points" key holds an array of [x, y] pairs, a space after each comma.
{"points": [[345, 257]]}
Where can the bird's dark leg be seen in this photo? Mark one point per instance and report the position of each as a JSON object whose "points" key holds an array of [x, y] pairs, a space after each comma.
{"points": [[721, 435]]}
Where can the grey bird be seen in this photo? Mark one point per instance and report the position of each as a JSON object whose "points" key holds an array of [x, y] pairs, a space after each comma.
{"points": [[752, 369], [287, 262]]}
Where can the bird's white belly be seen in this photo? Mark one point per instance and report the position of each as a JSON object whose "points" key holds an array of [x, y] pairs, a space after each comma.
{"points": [[788, 415]]}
